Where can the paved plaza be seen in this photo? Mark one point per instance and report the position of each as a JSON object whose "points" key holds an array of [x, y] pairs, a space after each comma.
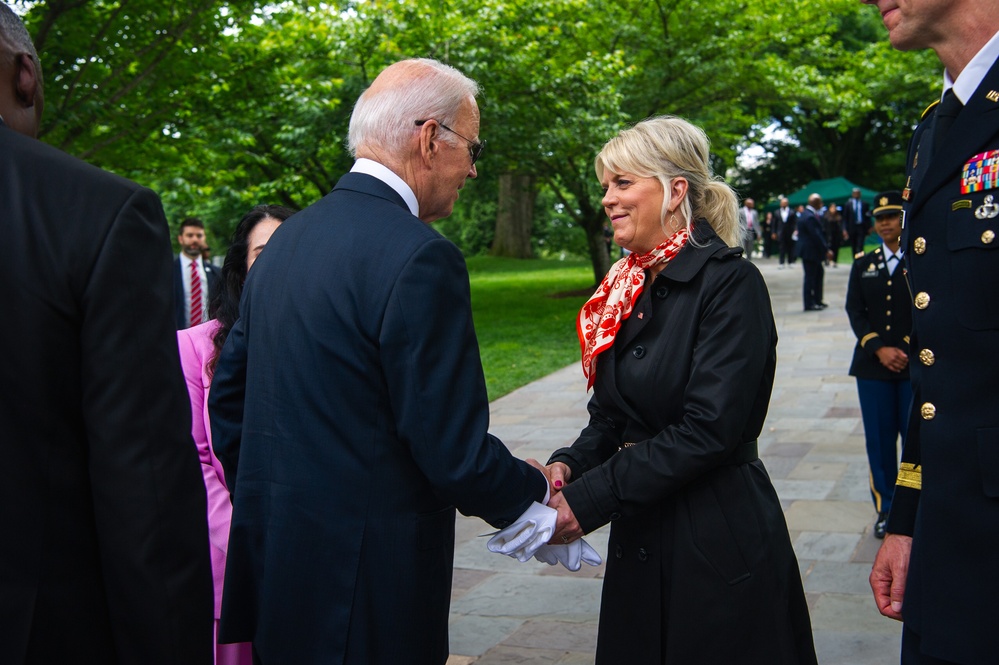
{"points": [[812, 444]]}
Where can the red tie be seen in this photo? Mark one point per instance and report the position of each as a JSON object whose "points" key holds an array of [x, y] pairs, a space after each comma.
{"points": [[195, 294]]}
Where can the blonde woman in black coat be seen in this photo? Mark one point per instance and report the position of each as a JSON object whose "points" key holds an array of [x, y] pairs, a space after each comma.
{"points": [[679, 346]]}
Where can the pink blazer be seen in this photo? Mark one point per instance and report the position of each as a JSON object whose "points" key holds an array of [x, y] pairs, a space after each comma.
{"points": [[195, 351]]}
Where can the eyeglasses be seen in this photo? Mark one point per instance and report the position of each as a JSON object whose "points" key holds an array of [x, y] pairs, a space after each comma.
{"points": [[475, 148]]}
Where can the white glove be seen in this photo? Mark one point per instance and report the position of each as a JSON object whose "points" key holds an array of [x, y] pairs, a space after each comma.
{"points": [[570, 555], [523, 538]]}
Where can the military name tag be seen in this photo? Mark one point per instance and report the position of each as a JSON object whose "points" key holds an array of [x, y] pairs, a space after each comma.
{"points": [[981, 172]]}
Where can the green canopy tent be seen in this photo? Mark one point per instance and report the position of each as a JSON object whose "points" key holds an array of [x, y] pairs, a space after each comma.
{"points": [[832, 190]]}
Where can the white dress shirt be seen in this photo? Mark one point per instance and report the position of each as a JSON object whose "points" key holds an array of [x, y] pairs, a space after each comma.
{"points": [[974, 72], [389, 177], [891, 259]]}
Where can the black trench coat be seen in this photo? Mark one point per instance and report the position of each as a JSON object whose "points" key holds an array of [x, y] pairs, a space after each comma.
{"points": [[700, 567]]}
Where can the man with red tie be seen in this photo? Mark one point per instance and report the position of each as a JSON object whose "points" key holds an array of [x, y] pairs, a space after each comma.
{"points": [[194, 279]]}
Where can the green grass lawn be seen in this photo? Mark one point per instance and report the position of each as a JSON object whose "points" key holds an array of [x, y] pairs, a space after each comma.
{"points": [[524, 319]]}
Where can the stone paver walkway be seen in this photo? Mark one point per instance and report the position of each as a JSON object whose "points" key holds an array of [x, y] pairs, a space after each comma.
{"points": [[812, 444]]}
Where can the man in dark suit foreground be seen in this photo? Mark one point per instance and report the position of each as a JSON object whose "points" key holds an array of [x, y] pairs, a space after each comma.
{"points": [[938, 568], [104, 554], [349, 406]]}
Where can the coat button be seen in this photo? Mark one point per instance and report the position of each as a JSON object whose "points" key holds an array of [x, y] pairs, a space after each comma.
{"points": [[922, 300], [919, 245], [662, 292], [926, 357], [888, 298], [615, 516], [643, 555], [888, 327], [618, 552], [888, 313], [639, 352], [889, 284], [988, 236], [928, 411]]}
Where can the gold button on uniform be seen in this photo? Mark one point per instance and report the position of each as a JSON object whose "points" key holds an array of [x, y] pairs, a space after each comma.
{"points": [[928, 411], [926, 357], [988, 236], [889, 297], [888, 313], [922, 300], [919, 245]]}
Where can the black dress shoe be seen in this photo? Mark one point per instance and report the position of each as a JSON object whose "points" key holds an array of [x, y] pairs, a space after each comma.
{"points": [[822, 305], [814, 308], [880, 525]]}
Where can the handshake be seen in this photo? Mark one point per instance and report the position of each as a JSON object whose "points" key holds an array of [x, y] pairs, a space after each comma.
{"points": [[548, 533]]}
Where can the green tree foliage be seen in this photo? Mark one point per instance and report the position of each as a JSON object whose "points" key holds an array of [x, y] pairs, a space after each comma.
{"points": [[222, 105], [847, 101]]}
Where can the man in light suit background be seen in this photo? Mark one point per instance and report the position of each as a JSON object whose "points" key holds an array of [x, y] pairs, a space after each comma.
{"points": [[104, 546], [349, 407], [195, 280], [749, 221]]}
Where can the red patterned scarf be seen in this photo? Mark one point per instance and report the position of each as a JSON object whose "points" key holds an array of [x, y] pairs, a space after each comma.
{"points": [[603, 313]]}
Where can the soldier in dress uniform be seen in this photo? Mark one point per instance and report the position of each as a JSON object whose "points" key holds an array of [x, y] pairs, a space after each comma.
{"points": [[938, 568], [877, 302]]}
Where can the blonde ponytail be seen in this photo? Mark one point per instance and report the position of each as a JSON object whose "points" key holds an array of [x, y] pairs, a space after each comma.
{"points": [[720, 206]]}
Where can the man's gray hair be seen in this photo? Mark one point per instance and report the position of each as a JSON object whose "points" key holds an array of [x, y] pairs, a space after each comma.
{"points": [[13, 34], [386, 116]]}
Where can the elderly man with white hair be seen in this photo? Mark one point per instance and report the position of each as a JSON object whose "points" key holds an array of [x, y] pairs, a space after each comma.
{"points": [[349, 408]]}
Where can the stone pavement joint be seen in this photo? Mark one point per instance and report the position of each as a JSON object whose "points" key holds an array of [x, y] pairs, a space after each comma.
{"points": [[812, 444]]}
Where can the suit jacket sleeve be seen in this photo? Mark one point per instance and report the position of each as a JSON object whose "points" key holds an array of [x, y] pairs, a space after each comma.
{"points": [[857, 312], [437, 390], [225, 401], [909, 483], [149, 500]]}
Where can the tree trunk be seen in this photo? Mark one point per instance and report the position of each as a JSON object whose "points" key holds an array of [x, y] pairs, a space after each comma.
{"points": [[514, 216], [596, 242]]}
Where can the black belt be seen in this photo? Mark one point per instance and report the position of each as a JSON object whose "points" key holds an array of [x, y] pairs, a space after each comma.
{"points": [[744, 454]]}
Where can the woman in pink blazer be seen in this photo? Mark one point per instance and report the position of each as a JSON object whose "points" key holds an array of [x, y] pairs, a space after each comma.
{"points": [[199, 349]]}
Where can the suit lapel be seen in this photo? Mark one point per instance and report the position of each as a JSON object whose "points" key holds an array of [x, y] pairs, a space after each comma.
{"points": [[960, 146]]}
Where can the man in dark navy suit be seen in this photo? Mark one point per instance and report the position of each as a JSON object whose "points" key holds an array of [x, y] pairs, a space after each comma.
{"points": [[349, 406], [104, 554], [784, 228], [856, 220], [813, 250], [938, 568]]}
